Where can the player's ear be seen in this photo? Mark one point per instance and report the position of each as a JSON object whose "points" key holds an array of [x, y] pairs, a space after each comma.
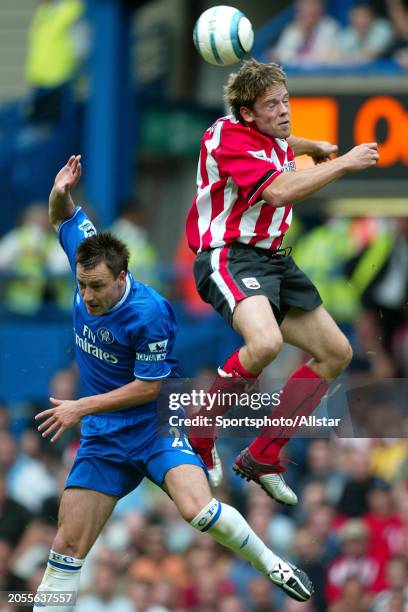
{"points": [[247, 114]]}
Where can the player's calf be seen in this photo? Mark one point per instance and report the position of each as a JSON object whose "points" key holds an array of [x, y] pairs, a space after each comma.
{"points": [[189, 489], [229, 528]]}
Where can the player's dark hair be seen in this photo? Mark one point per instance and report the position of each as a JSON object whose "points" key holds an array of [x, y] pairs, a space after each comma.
{"points": [[106, 248], [252, 79]]}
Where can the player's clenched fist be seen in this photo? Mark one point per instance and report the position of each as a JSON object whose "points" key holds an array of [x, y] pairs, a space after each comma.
{"points": [[362, 156]]}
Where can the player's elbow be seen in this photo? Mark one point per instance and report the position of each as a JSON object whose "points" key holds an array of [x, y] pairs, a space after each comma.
{"points": [[276, 196]]}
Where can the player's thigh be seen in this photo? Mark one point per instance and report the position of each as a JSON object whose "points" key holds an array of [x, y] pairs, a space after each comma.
{"points": [[188, 487], [82, 515], [254, 319], [315, 332]]}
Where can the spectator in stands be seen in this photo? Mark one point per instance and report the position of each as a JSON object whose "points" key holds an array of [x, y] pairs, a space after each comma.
{"points": [[139, 594], [57, 43], [164, 595], [387, 296], [296, 606], [364, 40], [31, 551], [232, 603], [341, 256], [389, 460], [353, 597], [8, 581], [154, 562], [397, 586], [129, 227], [320, 525], [105, 596], [14, 518], [307, 40], [398, 14], [24, 474], [321, 466], [355, 561], [267, 521], [25, 251], [385, 525], [309, 550], [353, 501], [312, 497]]}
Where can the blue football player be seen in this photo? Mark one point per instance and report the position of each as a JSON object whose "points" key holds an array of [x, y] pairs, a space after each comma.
{"points": [[124, 335]]}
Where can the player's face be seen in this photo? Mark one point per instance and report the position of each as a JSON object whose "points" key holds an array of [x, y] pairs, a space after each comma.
{"points": [[99, 289], [271, 112]]}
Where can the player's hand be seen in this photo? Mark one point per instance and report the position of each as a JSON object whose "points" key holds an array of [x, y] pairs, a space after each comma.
{"points": [[68, 177], [323, 151], [362, 156], [64, 415]]}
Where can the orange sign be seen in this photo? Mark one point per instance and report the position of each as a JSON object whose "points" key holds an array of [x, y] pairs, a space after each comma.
{"points": [[395, 146], [348, 120], [315, 118]]}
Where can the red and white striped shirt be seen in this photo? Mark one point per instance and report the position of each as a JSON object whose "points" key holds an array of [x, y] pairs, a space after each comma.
{"points": [[236, 164]]}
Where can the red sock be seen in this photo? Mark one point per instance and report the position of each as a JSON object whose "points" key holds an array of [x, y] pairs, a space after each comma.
{"points": [[300, 396], [234, 366], [239, 377]]}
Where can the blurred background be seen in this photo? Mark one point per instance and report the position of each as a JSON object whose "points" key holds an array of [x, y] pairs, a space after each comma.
{"points": [[120, 83]]}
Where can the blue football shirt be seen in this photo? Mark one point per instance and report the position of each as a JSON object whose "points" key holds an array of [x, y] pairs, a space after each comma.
{"points": [[132, 340]]}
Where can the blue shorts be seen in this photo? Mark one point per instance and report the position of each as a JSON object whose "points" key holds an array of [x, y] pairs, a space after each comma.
{"points": [[117, 463]]}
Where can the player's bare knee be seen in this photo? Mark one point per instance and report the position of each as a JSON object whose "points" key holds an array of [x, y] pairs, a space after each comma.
{"points": [[264, 350], [346, 355], [190, 508], [340, 356]]}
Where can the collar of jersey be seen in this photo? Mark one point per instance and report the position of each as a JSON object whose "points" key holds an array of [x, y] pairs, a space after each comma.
{"points": [[123, 298]]}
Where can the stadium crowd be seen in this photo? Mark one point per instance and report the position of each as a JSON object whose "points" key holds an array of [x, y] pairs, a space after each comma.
{"points": [[349, 532], [350, 529], [375, 30]]}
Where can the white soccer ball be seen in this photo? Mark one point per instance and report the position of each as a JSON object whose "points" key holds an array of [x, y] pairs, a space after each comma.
{"points": [[223, 35]]}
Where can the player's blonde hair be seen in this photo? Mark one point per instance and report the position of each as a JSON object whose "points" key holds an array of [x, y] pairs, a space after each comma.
{"points": [[252, 79]]}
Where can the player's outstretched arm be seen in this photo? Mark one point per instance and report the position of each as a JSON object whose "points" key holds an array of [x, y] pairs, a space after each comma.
{"points": [[61, 204], [319, 150], [291, 187]]}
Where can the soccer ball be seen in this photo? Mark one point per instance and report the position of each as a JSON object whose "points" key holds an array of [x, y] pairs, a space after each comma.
{"points": [[222, 35]]}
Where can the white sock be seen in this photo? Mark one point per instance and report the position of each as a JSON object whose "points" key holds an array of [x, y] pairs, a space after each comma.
{"points": [[62, 574], [226, 525]]}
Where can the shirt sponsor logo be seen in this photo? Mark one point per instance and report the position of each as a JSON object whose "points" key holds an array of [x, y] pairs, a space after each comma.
{"points": [[251, 283], [94, 350], [158, 347], [105, 335]]}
